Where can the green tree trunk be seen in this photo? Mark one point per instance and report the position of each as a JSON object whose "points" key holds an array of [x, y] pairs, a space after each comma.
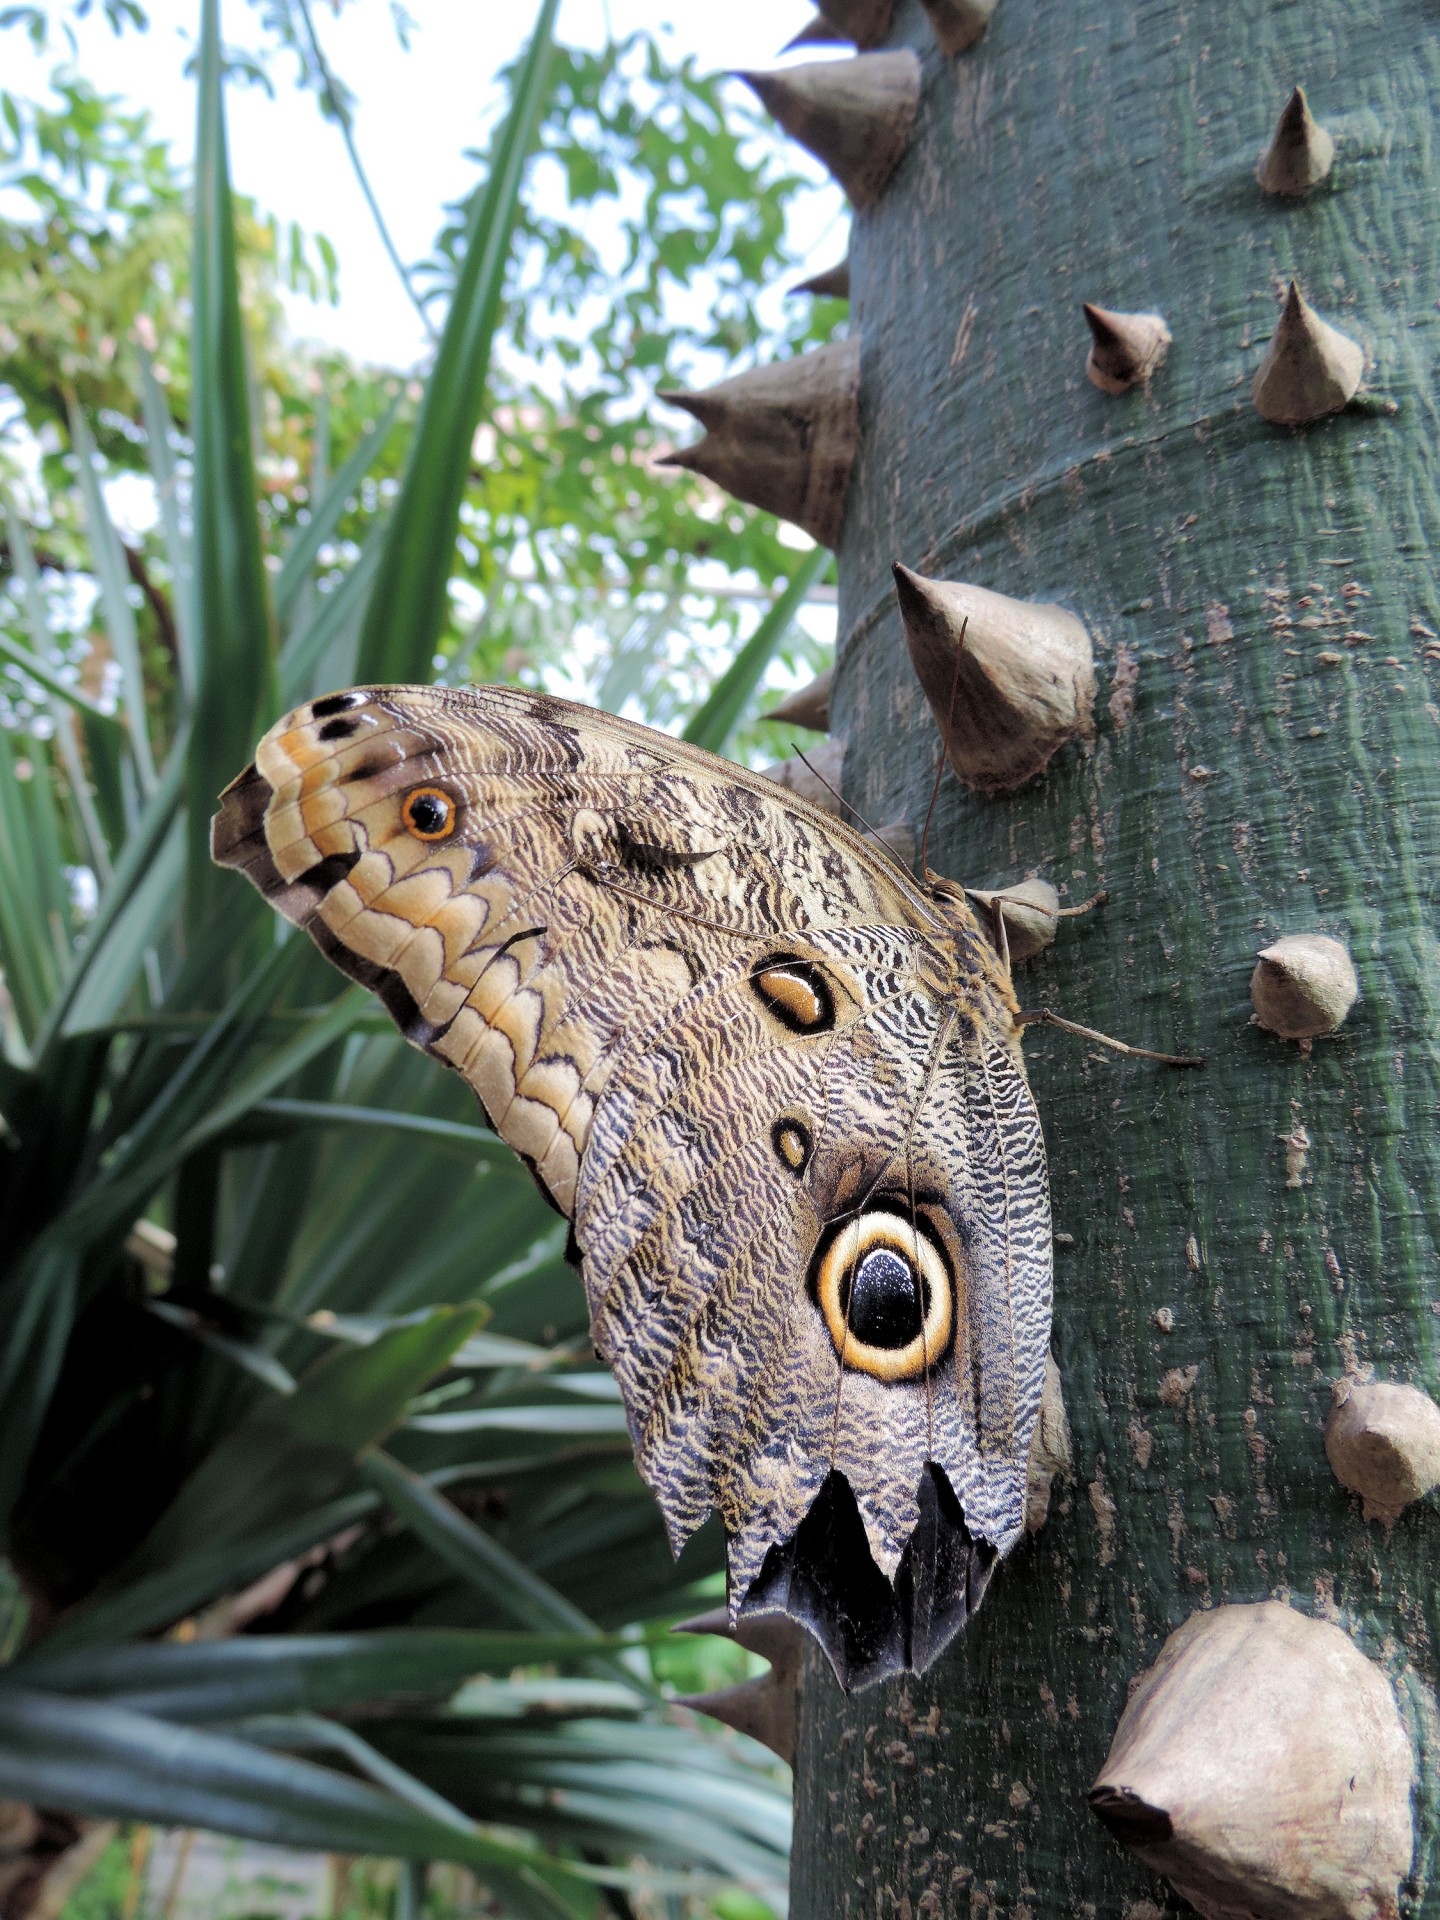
{"points": [[1267, 762]]}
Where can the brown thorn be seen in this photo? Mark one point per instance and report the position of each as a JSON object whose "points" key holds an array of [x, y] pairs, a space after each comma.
{"points": [[833, 283], [1310, 368], [817, 32], [1002, 932], [1300, 154], [1125, 348], [1043, 1017]]}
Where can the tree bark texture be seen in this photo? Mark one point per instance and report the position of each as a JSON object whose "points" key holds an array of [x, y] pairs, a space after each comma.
{"points": [[1231, 1242]]}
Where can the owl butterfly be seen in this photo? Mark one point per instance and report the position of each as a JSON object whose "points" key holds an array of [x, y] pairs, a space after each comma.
{"points": [[774, 1084]]}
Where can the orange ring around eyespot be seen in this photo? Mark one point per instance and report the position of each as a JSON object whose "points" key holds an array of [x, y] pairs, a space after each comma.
{"points": [[912, 1244], [428, 793]]}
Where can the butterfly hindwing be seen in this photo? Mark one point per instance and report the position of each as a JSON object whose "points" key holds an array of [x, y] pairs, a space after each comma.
{"points": [[775, 1087], [712, 1244]]}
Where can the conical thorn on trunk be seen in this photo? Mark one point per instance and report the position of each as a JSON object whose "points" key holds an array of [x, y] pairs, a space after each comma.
{"points": [[958, 24], [855, 116], [864, 23], [833, 283], [1310, 368], [764, 1707], [783, 436], [1009, 681], [1382, 1440], [1030, 910], [807, 706], [816, 32], [1300, 153], [1051, 1453], [1303, 986], [1125, 348], [1263, 1767]]}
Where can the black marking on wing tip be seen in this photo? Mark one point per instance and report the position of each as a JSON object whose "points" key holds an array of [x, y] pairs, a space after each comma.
{"points": [[336, 703], [825, 1577], [237, 831], [943, 1572]]}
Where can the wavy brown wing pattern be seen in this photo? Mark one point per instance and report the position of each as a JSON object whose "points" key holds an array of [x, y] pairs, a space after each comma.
{"points": [[774, 1084]]}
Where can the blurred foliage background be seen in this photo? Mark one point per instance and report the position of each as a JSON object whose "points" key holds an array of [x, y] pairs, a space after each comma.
{"points": [[320, 1521]]}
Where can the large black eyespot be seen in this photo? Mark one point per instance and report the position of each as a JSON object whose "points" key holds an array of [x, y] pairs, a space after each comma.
{"points": [[881, 1302], [885, 1286], [796, 992], [429, 813]]}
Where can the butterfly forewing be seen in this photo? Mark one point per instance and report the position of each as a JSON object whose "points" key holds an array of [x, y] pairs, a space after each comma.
{"points": [[777, 1092]]}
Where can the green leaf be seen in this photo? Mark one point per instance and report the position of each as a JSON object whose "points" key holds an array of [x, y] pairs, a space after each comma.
{"points": [[163, 1138], [573, 1422], [333, 629], [112, 1763], [142, 848], [296, 1452], [526, 1700], [248, 1355], [621, 1786], [192, 1579], [722, 712], [294, 1732], [27, 957], [482, 1351], [234, 667], [37, 1310], [203, 1680], [110, 570], [47, 677], [409, 605], [473, 1553], [325, 515], [134, 932], [22, 558], [156, 414], [327, 1113]]}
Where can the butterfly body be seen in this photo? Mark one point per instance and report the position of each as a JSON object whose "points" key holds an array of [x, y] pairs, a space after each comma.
{"points": [[773, 1082]]}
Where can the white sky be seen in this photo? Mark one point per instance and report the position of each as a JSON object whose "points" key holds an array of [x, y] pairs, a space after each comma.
{"points": [[415, 114]]}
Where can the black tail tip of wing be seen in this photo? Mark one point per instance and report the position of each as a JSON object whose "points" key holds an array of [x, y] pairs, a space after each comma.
{"points": [[825, 1577]]}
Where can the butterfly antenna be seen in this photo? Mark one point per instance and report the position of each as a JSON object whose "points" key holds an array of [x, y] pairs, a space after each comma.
{"points": [[940, 760], [829, 789]]}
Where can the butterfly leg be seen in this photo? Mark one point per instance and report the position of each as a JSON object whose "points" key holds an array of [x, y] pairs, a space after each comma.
{"points": [[1043, 1017]]}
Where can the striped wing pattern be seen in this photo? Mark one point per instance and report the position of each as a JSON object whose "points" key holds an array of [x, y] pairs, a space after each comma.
{"points": [[766, 1077]]}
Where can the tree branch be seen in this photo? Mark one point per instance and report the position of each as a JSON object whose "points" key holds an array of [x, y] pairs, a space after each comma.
{"points": [[347, 133], [155, 599]]}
